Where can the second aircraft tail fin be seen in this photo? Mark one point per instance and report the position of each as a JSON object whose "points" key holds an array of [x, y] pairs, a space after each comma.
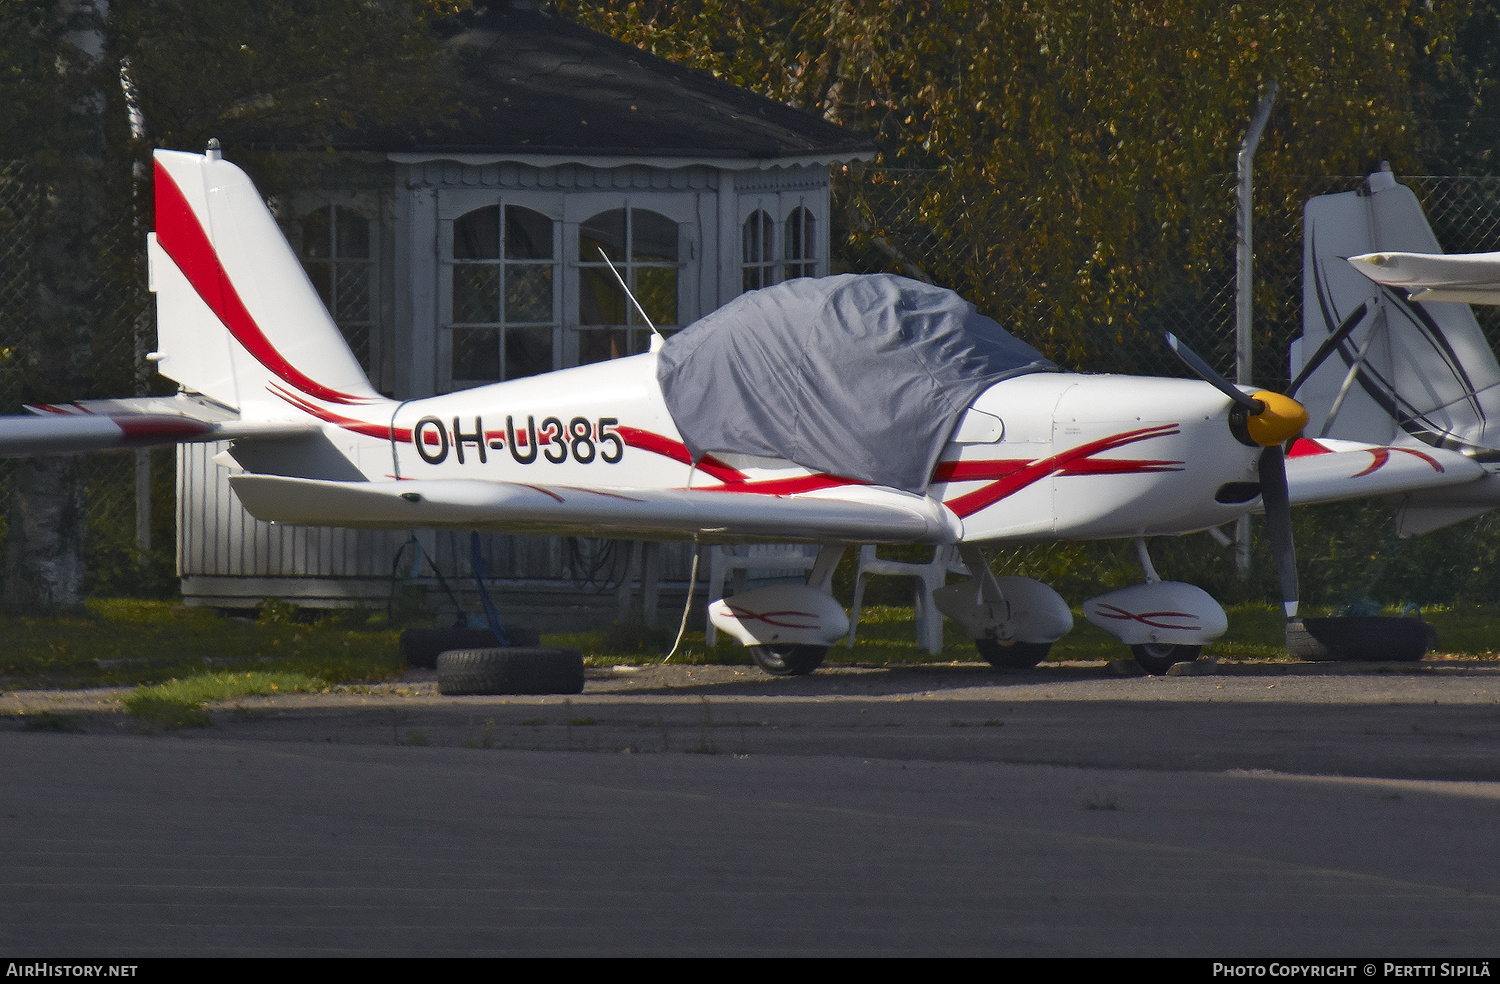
{"points": [[1408, 372]]}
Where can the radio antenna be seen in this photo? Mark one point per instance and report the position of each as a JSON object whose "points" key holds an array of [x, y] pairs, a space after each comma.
{"points": [[621, 280]]}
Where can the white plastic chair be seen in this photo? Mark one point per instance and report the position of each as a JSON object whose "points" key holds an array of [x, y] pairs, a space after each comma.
{"points": [[926, 578], [767, 559]]}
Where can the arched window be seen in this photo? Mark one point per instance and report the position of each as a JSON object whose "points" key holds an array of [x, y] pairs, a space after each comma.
{"points": [[338, 259], [758, 265], [642, 245], [801, 252], [503, 308]]}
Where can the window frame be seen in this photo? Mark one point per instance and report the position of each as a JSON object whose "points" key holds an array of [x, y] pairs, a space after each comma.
{"points": [[503, 263], [781, 206], [568, 209], [454, 206], [373, 208], [638, 332]]}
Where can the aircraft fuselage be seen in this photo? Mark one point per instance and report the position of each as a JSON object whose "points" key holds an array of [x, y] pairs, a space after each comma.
{"points": [[1037, 457]]}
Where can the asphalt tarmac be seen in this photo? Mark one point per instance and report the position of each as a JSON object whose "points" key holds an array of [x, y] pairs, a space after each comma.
{"points": [[1259, 811]]}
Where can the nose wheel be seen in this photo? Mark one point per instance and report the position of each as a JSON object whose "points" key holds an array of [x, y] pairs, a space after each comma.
{"points": [[1012, 655], [788, 660], [1158, 658]]}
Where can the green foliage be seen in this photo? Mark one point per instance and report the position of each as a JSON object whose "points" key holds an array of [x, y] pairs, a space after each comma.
{"points": [[1080, 144], [47, 80], [276, 611]]}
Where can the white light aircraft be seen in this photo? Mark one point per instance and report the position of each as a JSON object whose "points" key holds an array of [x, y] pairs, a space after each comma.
{"points": [[841, 411]]}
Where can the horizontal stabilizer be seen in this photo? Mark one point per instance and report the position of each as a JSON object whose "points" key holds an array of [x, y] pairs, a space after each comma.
{"points": [[24, 436], [105, 425], [660, 514], [1466, 278], [1332, 471]]}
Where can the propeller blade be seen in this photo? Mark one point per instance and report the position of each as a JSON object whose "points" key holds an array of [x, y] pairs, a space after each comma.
{"points": [[1278, 502], [1209, 375], [1330, 343]]}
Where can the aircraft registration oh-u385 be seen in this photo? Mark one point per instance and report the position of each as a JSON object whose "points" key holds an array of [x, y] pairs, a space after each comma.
{"points": [[838, 411]]}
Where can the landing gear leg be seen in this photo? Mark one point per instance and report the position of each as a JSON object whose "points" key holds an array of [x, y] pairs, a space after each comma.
{"points": [[1012, 620]]}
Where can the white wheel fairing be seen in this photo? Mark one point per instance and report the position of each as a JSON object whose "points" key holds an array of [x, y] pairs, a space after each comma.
{"points": [[1164, 612], [782, 614]]}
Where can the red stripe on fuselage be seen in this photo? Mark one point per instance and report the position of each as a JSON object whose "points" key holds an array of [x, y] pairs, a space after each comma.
{"points": [[1119, 466], [783, 486], [966, 505], [646, 440], [365, 427]]}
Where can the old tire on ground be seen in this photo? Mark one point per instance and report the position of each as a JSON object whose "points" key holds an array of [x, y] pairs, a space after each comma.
{"points": [[1369, 638], [510, 670], [1157, 658], [1012, 655], [420, 647], [788, 660]]}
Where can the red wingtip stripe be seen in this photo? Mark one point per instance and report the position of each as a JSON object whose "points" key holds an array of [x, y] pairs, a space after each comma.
{"points": [[182, 238]]}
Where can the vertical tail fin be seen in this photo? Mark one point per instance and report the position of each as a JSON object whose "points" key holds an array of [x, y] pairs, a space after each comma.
{"points": [[1426, 373], [237, 319]]}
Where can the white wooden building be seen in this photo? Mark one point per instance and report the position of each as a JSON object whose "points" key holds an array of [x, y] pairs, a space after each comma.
{"points": [[473, 256]]}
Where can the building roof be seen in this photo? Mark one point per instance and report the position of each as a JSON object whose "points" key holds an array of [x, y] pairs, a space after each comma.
{"points": [[535, 85]]}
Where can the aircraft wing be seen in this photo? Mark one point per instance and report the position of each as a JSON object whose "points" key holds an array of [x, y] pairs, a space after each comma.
{"points": [[1467, 278], [860, 515], [1326, 470], [104, 425]]}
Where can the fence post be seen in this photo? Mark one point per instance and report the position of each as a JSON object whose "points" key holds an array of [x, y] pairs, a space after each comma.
{"points": [[1244, 254]]}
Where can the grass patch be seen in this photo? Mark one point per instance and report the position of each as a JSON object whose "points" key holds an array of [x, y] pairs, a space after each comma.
{"points": [[130, 642], [180, 703], [125, 642], [1468, 629]]}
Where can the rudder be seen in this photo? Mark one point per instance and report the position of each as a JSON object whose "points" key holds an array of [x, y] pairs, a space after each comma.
{"points": [[237, 318]]}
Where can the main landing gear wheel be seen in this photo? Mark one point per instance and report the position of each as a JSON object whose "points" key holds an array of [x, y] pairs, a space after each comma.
{"points": [[510, 670], [1158, 658], [788, 660], [1012, 655]]}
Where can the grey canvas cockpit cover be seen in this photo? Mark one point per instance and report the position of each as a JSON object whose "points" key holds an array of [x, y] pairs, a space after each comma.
{"points": [[863, 377]]}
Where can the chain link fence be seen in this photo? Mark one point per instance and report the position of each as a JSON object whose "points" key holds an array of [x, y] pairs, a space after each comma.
{"points": [[129, 538], [903, 221]]}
